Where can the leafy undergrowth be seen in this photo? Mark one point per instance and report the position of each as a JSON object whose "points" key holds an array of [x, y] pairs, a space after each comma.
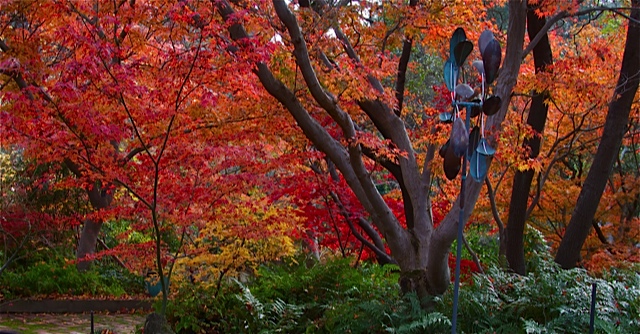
{"points": [[333, 297], [548, 300], [56, 278]]}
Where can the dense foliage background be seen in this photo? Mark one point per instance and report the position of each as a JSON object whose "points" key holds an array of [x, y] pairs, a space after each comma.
{"points": [[283, 166]]}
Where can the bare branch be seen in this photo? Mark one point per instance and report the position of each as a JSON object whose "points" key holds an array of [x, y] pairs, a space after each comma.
{"points": [[599, 233], [474, 256], [564, 14], [377, 248], [494, 206]]}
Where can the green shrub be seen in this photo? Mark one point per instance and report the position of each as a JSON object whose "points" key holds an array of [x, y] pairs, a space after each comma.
{"points": [[194, 309], [330, 297], [56, 277], [483, 242], [116, 280], [393, 314]]}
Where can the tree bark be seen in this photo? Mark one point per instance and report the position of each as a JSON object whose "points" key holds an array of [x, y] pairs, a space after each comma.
{"points": [[615, 126], [100, 199], [537, 117], [87, 243]]}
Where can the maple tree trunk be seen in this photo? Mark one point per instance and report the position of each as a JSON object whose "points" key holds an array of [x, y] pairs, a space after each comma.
{"points": [[417, 277], [615, 126], [100, 199], [87, 243], [522, 180]]}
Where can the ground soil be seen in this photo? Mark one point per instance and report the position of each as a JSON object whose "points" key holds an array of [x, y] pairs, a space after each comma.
{"points": [[44, 323]]}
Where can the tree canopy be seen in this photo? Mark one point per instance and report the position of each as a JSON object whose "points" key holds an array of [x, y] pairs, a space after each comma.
{"points": [[226, 131]]}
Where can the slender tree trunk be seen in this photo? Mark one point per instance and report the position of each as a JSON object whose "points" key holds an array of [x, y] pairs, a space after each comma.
{"points": [[542, 57], [87, 243], [100, 199], [614, 128]]}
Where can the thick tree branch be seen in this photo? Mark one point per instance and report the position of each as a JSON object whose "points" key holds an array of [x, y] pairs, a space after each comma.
{"points": [[391, 127], [402, 75], [396, 171], [329, 104], [494, 206], [403, 63], [381, 215], [372, 233], [522, 180], [301, 53]]}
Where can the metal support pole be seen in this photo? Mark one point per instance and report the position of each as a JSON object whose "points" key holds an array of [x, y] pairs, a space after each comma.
{"points": [[461, 223], [592, 320]]}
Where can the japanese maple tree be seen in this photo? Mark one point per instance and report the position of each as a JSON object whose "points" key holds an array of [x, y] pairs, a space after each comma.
{"points": [[329, 69], [134, 98]]}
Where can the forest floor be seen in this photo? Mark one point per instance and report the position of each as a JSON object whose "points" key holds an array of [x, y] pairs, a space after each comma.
{"points": [[44, 323]]}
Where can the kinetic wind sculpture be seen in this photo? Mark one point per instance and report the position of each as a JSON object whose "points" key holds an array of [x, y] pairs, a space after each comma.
{"points": [[478, 103], [463, 144]]}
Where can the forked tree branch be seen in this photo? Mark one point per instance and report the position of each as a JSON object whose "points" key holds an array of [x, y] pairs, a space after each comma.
{"points": [[377, 246], [318, 135]]}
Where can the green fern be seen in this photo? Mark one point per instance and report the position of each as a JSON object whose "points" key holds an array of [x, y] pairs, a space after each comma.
{"points": [[333, 297], [547, 300], [435, 322]]}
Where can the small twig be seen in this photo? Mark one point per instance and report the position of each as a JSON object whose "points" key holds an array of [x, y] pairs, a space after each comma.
{"points": [[473, 254], [115, 257]]}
